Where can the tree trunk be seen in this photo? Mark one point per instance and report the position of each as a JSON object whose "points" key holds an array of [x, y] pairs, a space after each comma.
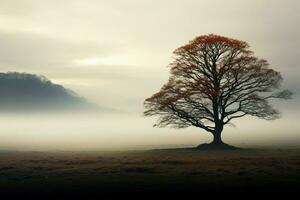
{"points": [[217, 139], [217, 143], [217, 134]]}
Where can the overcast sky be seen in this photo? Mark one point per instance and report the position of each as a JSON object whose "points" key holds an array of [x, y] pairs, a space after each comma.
{"points": [[115, 52]]}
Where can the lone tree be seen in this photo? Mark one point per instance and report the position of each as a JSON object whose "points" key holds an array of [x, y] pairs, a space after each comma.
{"points": [[215, 79]]}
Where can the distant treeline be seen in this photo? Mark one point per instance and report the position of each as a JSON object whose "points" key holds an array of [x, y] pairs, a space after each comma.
{"points": [[23, 91]]}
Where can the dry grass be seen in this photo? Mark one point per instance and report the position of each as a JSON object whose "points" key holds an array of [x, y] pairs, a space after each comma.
{"points": [[149, 171]]}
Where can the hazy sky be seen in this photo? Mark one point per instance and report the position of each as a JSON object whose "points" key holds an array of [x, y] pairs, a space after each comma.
{"points": [[115, 53]]}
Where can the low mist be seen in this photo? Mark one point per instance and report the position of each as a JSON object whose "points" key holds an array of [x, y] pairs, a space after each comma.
{"points": [[127, 131]]}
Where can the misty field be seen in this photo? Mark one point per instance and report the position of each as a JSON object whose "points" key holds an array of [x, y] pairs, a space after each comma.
{"points": [[181, 171]]}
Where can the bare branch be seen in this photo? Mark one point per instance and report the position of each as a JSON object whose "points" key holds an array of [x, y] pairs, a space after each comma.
{"points": [[214, 80]]}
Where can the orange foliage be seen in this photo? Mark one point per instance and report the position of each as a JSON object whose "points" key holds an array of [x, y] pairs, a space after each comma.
{"points": [[215, 79]]}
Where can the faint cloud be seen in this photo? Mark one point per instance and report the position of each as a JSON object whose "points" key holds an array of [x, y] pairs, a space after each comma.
{"points": [[28, 50], [106, 61], [74, 82]]}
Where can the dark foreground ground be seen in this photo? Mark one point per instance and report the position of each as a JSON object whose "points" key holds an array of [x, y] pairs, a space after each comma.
{"points": [[88, 175]]}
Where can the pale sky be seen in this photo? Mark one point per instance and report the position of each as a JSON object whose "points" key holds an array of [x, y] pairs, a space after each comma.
{"points": [[115, 53]]}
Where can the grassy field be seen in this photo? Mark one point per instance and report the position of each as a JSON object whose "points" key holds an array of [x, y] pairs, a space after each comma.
{"points": [[180, 171]]}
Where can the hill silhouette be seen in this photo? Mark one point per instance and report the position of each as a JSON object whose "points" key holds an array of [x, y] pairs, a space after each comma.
{"points": [[30, 92]]}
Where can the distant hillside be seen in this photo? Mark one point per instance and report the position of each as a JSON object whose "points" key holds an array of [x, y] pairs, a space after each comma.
{"points": [[25, 92]]}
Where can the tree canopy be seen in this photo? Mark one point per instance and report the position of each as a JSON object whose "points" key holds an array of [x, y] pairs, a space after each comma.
{"points": [[213, 80]]}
